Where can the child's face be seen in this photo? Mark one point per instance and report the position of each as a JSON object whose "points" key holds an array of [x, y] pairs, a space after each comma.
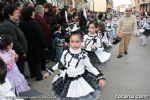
{"points": [[10, 46], [92, 29], [75, 41]]}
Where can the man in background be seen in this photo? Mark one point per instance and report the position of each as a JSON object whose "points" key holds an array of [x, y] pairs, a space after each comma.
{"points": [[126, 28]]}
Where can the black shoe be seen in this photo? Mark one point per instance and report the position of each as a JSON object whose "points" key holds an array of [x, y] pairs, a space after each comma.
{"points": [[125, 52], [39, 79], [32, 76], [29, 84], [119, 56], [26, 77]]}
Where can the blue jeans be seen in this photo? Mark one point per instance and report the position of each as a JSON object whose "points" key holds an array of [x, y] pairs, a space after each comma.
{"points": [[59, 51]]}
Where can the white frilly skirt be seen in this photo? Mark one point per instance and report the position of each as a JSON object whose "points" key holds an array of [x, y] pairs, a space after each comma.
{"points": [[81, 88], [103, 56]]}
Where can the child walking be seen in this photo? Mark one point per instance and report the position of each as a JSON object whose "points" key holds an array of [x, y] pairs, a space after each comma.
{"points": [[78, 78], [110, 27], [145, 26], [17, 80], [93, 45], [104, 37]]}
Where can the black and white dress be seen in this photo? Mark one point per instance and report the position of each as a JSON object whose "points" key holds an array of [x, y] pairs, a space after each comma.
{"points": [[78, 79], [105, 41], [110, 29], [146, 27], [97, 56]]}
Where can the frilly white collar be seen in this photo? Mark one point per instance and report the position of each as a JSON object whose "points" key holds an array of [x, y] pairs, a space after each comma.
{"points": [[75, 51]]}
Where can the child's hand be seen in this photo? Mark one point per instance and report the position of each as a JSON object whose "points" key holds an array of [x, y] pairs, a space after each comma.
{"points": [[45, 75], [102, 83], [93, 47], [65, 44], [15, 56]]}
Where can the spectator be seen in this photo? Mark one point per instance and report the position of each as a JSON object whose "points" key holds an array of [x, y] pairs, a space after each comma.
{"points": [[9, 27], [29, 4], [35, 39], [59, 41], [39, 17], [17, 80], [51, 21], [51, 15]]}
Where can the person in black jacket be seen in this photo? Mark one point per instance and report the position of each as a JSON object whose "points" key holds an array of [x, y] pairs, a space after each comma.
{"points": [[9, 27], [35, 39]]}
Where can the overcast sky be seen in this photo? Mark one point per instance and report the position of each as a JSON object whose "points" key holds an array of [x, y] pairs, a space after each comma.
{"points": [[121, 2]]}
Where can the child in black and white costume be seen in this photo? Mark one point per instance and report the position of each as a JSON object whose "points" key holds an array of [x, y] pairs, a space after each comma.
{"points": [[109, 24], [78, 79], [104, 37], [93, 45], [115, 25], [144, 30], [146, 33], [141, 22]]}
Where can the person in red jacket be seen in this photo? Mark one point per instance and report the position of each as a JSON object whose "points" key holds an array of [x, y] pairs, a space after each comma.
{"points": [[39, 17]]}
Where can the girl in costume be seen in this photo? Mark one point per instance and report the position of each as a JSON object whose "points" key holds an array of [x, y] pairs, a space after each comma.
{"points": [[78, 78], [17, 80], [93, 45], [104, 37]]}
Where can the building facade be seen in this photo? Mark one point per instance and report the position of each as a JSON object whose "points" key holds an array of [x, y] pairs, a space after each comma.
{"points": [[142, 5], [95, 5]]}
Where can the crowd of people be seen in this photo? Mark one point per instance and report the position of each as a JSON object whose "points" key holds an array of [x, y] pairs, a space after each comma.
{"points": [[79, 41]]}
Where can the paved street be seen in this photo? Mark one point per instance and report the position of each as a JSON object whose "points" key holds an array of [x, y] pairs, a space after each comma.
{"points": [[126, 76]]}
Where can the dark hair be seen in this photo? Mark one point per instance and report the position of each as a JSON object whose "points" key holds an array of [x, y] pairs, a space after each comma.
{"points": [[101, 25], [79, 33], [27, 13], [54, 10], [17, 4], [56, 27], [94, 23], [3, 71], [27, 3], [77, 15], [100, 16], [2, 5], [5, 40], [70, 17], [9, 10], [49, 6]]}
